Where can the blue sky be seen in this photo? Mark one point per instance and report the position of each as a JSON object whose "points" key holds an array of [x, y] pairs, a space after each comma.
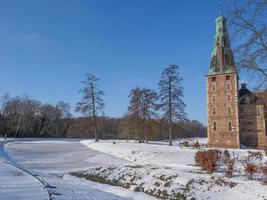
{"points": [[47, 46]]}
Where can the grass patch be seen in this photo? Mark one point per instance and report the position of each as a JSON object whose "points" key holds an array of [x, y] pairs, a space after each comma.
{"points": [[128, 180], [135, 166]]}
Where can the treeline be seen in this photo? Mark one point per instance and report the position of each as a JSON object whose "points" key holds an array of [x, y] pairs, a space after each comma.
{"points": [[22, 116], [124, 128], [152, 114]]}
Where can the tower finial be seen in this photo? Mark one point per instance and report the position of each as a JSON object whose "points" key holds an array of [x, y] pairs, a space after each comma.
{"points": [[220, 8]]}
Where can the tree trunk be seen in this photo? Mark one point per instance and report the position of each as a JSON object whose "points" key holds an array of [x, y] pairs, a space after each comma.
{"points": [[18, 125], [170, 113], [94, 114], [170, 133], [145, 132], [41, 125], [138, 128], [95, 129]]}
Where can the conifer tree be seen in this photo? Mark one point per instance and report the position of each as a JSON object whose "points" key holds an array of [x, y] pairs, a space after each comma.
{"points": [[91, 103], [170, 95]]}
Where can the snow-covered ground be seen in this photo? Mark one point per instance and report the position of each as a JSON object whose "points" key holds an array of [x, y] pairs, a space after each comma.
{"points": [[32, 169], [155, 152], [40, 169], [157, 166], [17, 184]]}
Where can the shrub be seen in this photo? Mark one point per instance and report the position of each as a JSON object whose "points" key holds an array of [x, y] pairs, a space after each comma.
{"points": [[255, 155], [226, 155], [263, 170], [207, 160], [184, 144], [230, 167], [196, 144], [250, 169]]}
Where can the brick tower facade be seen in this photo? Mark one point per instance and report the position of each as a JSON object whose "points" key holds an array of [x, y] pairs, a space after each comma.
{"points": [[222, 92]]}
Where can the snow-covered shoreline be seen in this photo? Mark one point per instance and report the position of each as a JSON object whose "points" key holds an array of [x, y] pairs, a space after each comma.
{"points": [[155, 152], [158, 159]]}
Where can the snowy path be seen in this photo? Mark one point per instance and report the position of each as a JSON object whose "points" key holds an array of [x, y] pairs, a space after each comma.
{"points": [[17, 184], [50, 161]]}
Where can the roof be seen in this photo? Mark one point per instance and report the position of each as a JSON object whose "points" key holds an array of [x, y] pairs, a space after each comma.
{"points": [[243, 91], [262, 95], [248, 97], [222, 59]]}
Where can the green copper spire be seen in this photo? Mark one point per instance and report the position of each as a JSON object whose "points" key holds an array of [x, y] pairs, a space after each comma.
{"points": [[222, 59]]}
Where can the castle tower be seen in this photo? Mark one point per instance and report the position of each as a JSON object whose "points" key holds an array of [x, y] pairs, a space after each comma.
{"points": [[222, 92]]}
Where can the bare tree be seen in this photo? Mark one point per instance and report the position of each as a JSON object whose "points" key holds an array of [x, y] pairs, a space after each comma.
{"points": [[248, 28], [148, 107], [64, 109], [171, 93], [91, 103], [126, 127], [135, 110], [3, 101]]}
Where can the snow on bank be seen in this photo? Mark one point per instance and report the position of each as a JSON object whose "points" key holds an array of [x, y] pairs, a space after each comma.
{"points": [[153, 153], [123, 193], [170, 183], [157, 159], [144, 153]]}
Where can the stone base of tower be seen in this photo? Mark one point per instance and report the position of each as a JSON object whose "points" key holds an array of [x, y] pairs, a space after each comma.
{"points": [[230, 146]]}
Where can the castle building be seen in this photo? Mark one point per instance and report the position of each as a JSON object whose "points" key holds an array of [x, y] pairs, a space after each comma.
{"points": [[235, 117]]}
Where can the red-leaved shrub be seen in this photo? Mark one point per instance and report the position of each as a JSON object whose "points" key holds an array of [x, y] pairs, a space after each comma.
{"points": [[207, 160], [263, 170], [250, 169]]}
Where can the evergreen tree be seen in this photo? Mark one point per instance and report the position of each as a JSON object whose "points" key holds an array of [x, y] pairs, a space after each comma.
{"points": [[91, 103], [170, 94]]}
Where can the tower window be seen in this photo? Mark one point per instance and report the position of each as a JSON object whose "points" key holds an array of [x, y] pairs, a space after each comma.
{"points": [[213, 86], [213, 98], [229, 110], [213, 110], [228, 86], [228, 97], [213, 79], [227, 77], [230, 126], [214, 126]]}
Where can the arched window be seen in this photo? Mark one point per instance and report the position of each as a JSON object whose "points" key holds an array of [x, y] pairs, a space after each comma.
{"points": [[213, 98], [228, 97], [228, 85], [213, 86], [214, 126], [213, 110], [229, 110], [230, 128]]}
